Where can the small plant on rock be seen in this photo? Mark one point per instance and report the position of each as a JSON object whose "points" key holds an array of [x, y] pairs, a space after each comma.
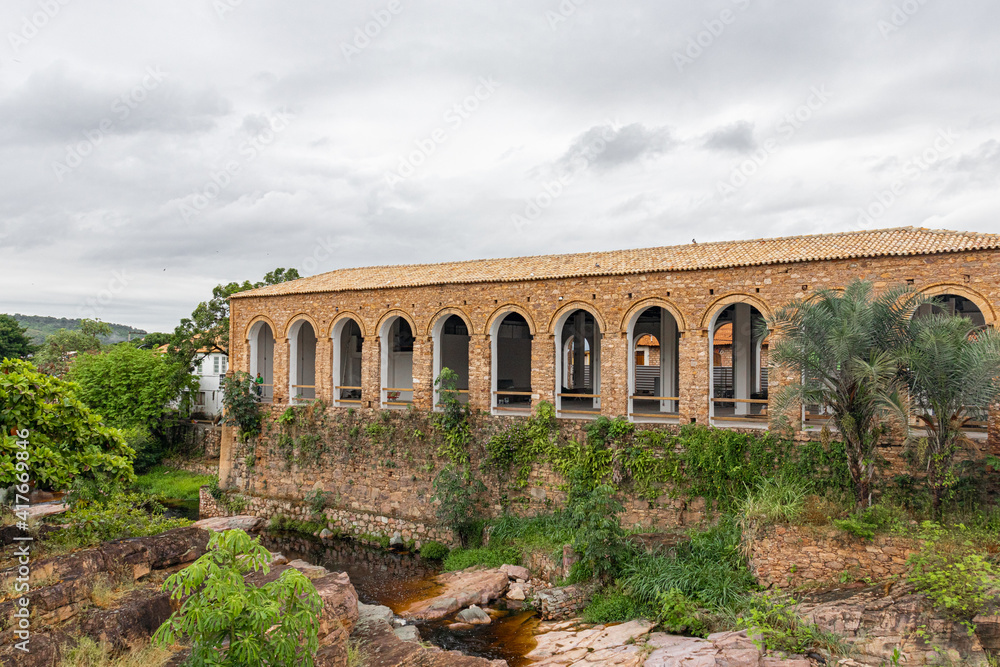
{"points": [[232, 623]]}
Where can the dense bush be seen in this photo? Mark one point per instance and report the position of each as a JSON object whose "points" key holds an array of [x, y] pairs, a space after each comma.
{"points": [[613, 605], [242, 404], [131, 387], [459, 559], [122, 515], [433, 550], [460, 496], [953, 574], [68, 442]]}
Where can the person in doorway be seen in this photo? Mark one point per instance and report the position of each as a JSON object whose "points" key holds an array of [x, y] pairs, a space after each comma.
{"points": [[260, 384]]}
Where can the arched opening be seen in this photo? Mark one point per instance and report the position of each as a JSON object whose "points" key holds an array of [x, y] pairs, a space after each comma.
{"points": [[738, 372], [451, 350], [511, 366], [397, 363], [302, 362], [578, 364], [953, 304], [347, 345], [262, 360], [653, 337]]}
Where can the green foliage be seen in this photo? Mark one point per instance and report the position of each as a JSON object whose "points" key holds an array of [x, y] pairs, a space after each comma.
{"points": [[231, 622], [282, 523], [600, 540], [615, 606], [318, 500], [67, 441], [492, 556], [777, 627], [232, 503], [122, 515], [208, 326], [453, 421], [511, 452], [242, 409], [14, 340], [881, 518], [953, 573], [41, 327], [459, 496], [857, 526], [433, 551], [148, 447], [170, 483], [954, 376], [779, 499], [710, 569], [680, 615], [130, 387], [53, 357], [845, 347]]}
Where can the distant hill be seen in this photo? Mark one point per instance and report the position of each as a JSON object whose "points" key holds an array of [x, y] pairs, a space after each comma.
{"points": [[40, 327]]}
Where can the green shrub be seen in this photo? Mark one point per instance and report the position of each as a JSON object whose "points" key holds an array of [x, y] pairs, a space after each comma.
{"points": [[615, 606], [122, 515], [777, 627], [275, 624], [433, 551], [950, 571], [242, 404], [600, 540], [282, 523], [680, 615], [149, 450], [459, 559], [318, 500], [459, 494]]}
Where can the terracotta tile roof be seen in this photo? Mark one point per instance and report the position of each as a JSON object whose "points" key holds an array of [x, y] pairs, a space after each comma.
{"points": [[648, 341], [690, 257]]}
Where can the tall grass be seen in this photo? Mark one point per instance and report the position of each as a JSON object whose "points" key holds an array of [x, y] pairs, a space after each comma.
{"points": [[88, 653], [709, 570], [170, 483]]}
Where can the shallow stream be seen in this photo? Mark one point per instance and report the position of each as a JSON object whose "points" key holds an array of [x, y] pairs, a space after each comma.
{"points": [[398, 579]]}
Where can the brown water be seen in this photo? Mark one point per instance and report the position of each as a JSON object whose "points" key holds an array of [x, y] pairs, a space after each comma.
{"points": [[396, 580]]}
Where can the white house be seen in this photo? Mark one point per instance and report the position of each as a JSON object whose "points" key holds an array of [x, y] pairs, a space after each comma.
{"points": [[210, 371]]}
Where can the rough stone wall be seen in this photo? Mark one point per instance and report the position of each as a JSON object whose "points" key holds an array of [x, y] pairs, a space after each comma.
{"points": [[378, 469], [695, 296], [789, 556]]}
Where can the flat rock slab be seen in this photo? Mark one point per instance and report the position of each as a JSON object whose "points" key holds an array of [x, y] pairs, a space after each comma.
{"points": [[460, 590], [47, 509], [569, 647], [244, 522]]}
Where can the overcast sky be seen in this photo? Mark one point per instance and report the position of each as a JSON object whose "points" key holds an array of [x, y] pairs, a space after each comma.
{"points": [[150, 150]]}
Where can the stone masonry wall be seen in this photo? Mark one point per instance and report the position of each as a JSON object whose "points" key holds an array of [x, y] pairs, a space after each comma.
{"points": [[789, 556], [694, 298], [378, 469]]}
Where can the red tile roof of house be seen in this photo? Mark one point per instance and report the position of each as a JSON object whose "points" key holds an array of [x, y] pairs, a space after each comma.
{"points": [[690, 257]]}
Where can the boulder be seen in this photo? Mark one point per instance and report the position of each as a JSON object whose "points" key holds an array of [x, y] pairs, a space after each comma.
{"points": [[340, 606], [311, 571], [474, 616], [131, 622], [374, 612], [408, 633], [460, 589], [516, 572], [396, 541], [516, 592], [245, 522], [381, 647]]}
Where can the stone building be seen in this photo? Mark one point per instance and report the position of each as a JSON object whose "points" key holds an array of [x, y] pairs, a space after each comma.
{"points": [[565, 328]]}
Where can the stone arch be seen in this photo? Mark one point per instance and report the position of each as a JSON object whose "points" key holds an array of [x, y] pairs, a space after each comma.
{"points": [[503, 311], [257, 319], [981, 302], [729, 299], [294, 319], [347, 314], [444, 314], [652, 302], [578, 305], [388, 315]]}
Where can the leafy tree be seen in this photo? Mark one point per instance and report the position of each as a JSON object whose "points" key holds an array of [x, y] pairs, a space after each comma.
{"points": [[208, 326], [67, 441], [460, 499], [954, 376], [14, 340], [151, 341], [130, 387], [844, 347], [54, 356], [231, 622]]}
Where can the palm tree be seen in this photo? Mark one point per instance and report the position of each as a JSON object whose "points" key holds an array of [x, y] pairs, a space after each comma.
{"points": [[844, 346], [953, 371]]}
